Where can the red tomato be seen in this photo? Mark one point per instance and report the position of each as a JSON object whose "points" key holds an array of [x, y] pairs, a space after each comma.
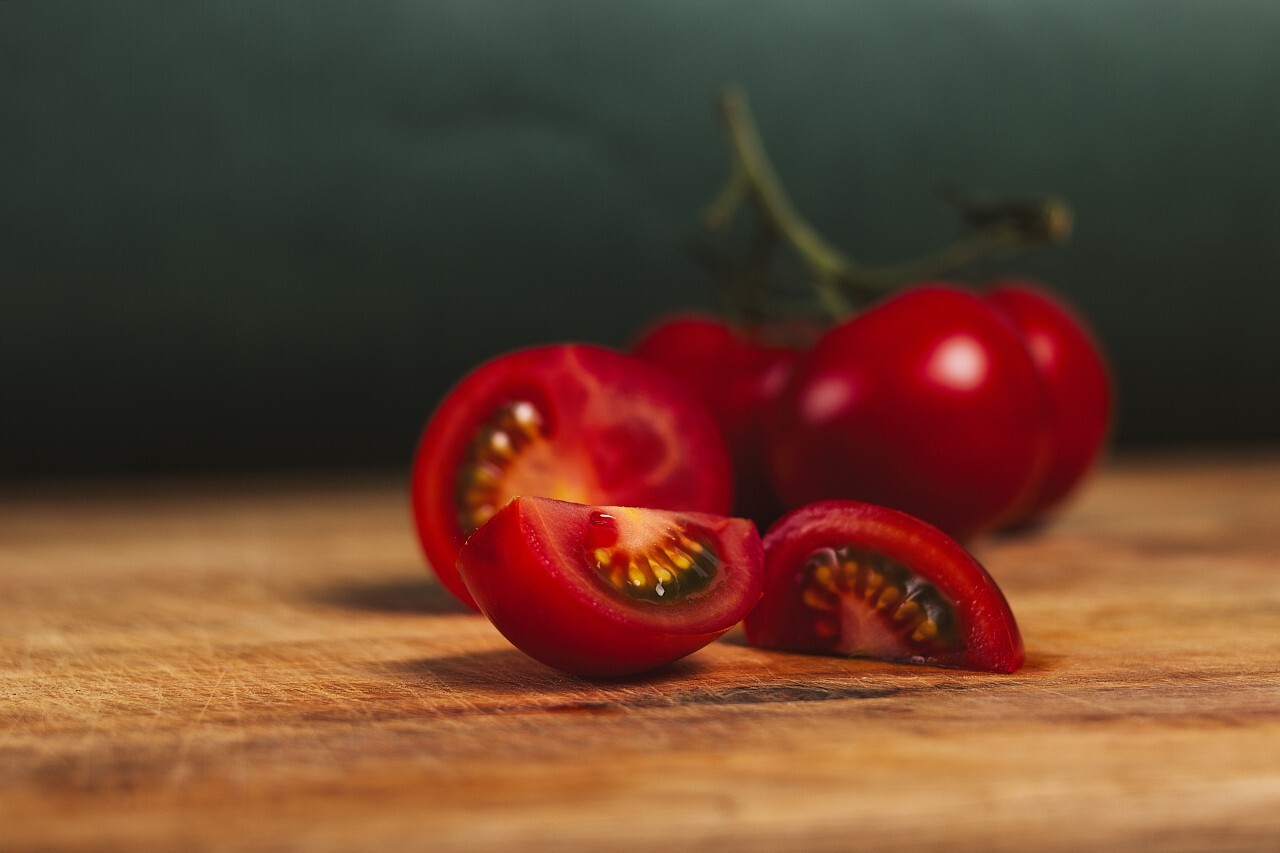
{"points": [[928, 403], [1077, 385], [849, 578], [571, 421], [738, 378], [606, 590]]}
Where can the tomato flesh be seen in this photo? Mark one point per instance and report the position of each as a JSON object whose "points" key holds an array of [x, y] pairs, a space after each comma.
{"points": [[608, 590], [855, 579], [574, 422]]}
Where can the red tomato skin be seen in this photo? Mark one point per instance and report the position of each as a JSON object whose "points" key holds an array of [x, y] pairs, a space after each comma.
{"points": [[517, 577], [1077, 383], [678, 462], [738, 379], [992, 641], [928, 402]]}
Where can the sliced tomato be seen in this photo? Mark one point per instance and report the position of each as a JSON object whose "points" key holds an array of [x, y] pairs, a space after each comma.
{"points": [[608, 590], [851, 578], [572, 421]]}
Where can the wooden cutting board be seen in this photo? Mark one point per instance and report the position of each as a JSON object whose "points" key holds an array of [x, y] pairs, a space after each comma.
{"points": [[264, 664]]}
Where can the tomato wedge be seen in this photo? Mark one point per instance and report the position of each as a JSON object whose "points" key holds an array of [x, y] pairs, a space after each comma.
{"points": [[569, 421], [856, 579], [608, 590]]}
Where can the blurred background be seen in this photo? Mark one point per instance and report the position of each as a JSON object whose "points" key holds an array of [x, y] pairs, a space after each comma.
{"points": [[240, 235]]}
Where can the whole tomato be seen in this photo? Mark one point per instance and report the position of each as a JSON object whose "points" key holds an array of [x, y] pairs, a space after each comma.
{"points": [[1076, 383], [738, 376], [929, 403]]}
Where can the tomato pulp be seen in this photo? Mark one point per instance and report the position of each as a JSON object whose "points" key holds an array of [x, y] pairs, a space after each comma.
{"points": [[569, 421], [850, 578], [608, 590]]}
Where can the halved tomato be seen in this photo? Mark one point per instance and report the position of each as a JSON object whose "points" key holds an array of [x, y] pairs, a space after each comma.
{"points": [[608, 590], [851, 578], [570, 421]]}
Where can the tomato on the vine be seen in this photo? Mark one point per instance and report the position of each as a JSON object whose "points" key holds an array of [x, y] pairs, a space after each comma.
{"points": [[738, 375], [570, 421], [608, 590], [929, 402], [1076, 384], [850, 578]]}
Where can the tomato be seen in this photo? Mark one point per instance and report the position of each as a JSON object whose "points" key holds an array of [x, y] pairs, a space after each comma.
{"points": [[569, 421], [738, 376], [1076, 382], [850, 578], [607, 590], [929, 403]]}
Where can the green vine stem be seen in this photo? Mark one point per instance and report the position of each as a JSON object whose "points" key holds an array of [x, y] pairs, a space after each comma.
{"points": [[998, 229]]}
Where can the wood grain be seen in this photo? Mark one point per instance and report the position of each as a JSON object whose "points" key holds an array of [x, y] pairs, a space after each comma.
{"points": [[264, 664]]}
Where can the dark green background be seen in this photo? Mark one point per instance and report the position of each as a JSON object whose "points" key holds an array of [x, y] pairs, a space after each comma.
{"points": [[244, 233]]}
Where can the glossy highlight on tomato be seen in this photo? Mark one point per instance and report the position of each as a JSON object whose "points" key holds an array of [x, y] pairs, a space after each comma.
{"points": [[855, 579], [1075, 381], [929, 403], [608, 590], [569, 421]]}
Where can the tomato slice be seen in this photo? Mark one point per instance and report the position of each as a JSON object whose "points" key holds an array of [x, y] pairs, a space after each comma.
{"points": [[570, 421], [851, 578], [608, 590]]}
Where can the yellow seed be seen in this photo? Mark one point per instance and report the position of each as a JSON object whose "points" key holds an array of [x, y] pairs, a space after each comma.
{"points": [[636, 576], [694, 548], [603, 557], [887, 598], [500, 444], [850, 569], [817, 599], [926, 630], [874, 579], [678, 558], [665, 576], [824, 577], [906, 610]]}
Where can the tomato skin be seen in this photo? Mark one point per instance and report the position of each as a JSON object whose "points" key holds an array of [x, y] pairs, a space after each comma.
{"points": [[526, 572], [929, 403], [738, 378], [1077, 384], [625, 433], [990, 637]]}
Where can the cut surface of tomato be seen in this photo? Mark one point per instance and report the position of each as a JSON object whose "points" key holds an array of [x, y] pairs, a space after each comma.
{"points": [[574, 422], [610, 590], [855, 579]]}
